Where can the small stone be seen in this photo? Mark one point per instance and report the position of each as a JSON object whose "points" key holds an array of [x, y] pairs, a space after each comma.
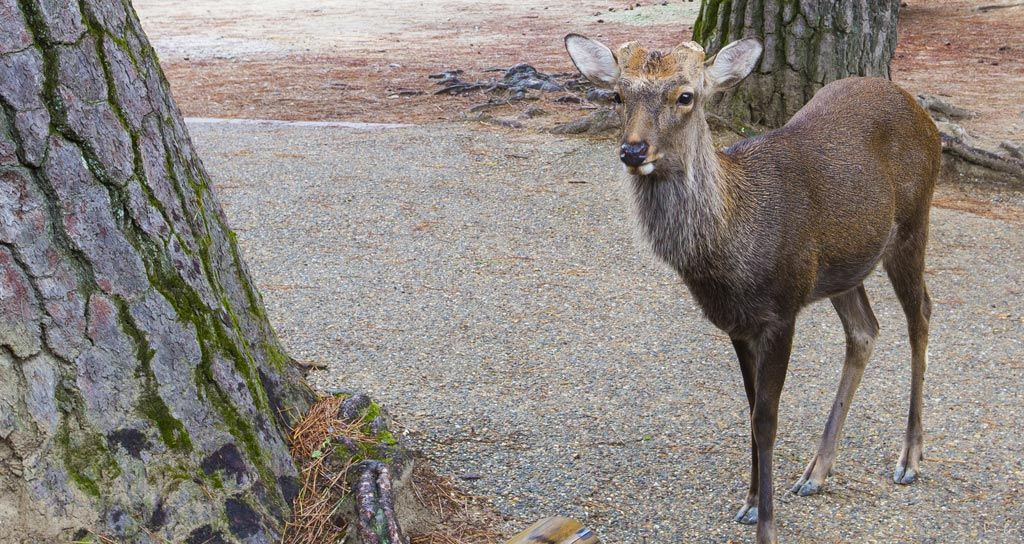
{"points": [[533, 111], [347, 443], [378, 425], [352, 408], [507, 122]]}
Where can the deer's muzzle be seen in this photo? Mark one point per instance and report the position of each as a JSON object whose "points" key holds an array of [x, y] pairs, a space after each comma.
{"points": [[633, 153]]}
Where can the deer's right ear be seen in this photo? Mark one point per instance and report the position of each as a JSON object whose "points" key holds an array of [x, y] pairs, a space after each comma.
{"points": [[733, 63], [593, 60]]}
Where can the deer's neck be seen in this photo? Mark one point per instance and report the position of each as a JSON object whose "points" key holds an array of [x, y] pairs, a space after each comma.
{"points": [[685, 207]]}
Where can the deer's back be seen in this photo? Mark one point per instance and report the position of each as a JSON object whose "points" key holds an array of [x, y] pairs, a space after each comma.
{"points": [[860, 135], [826, 193]]}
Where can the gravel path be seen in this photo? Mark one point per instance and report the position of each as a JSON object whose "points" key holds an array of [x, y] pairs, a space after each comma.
{"points": [[488, 288]]}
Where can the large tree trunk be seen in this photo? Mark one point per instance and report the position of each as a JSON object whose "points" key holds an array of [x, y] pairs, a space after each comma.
{"points": [[143, 394], [806, 45]]}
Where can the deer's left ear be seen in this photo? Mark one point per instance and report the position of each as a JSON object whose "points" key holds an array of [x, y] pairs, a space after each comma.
{"points": [[732, 63], [593, 59]]}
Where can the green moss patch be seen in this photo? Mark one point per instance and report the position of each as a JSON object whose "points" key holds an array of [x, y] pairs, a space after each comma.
{"points": [[86, 458]]}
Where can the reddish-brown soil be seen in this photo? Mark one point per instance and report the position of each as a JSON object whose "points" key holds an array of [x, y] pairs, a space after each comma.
{"points": [[360, 84], [971, 58], [974, 59]]}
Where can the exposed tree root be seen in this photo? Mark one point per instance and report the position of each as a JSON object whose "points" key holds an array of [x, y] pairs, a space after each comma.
{"points": [[375, 506], [964, 160], [359, 482], [956, 148]]}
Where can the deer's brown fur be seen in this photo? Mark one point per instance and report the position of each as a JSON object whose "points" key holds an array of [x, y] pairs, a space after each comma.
{"points": [[761, 229]]}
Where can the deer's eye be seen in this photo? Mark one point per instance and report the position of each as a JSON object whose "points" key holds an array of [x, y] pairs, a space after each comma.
{"points": [[617, 98], [685, 99]]}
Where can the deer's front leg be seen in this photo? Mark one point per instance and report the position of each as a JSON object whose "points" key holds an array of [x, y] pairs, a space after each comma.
{"points": [[748, 361], [773, 349]]}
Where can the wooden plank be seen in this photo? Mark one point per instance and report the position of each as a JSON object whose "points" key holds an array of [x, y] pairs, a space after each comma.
{"points": [[556, 530]]}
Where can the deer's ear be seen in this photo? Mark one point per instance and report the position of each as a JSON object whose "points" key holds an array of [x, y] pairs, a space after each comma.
{"points": [[732, 63], [593, 59]]}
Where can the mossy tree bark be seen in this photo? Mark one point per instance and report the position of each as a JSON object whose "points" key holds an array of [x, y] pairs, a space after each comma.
{"points": [[806, 45], [143, 394]]}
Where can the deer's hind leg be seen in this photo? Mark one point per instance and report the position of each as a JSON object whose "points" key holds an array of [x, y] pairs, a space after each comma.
{"points": [[905, 267], [861, 329]]}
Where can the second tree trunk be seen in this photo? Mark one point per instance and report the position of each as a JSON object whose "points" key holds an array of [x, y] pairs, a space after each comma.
{"points": [[806, 45]]}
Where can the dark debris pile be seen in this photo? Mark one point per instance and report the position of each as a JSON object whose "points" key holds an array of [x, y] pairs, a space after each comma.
{"points": [[522, 82], [516, 82]]}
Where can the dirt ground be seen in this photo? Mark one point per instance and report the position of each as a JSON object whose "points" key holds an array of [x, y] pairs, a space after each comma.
{"points": [[349, 60], [973, 58], [486, 287]]}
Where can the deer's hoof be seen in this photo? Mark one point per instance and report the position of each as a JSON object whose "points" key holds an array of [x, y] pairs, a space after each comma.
{"points": [[804, 488], [813, 479], [747, 515], [904, 475]]}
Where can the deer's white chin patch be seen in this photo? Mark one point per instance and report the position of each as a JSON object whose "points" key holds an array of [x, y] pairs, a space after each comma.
{"points": [[644, 169]]}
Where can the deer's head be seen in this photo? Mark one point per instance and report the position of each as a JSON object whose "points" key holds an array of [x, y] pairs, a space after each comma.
{"points": [[660, 95]]}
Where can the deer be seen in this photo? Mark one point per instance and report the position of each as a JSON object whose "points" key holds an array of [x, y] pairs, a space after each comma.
{"points": [[775, 222]]}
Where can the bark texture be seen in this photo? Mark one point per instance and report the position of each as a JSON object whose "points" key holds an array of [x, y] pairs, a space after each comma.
{"points": [[143, 394], [807, 44]]}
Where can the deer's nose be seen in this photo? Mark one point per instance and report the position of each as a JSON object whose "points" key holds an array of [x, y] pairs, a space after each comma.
{"points": [[633, 153]]}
